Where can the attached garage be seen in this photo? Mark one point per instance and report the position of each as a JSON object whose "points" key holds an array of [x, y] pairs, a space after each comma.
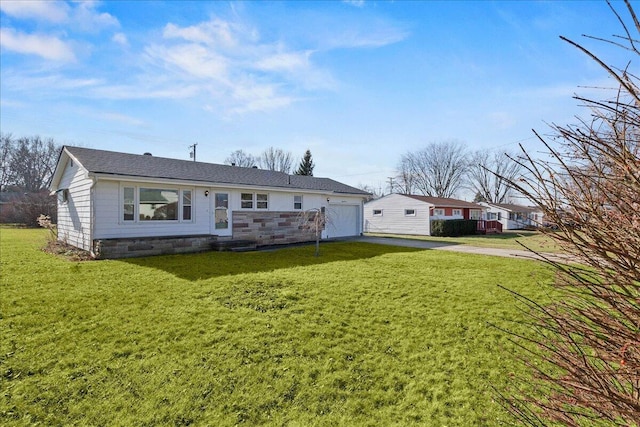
{"points": [[343, 221]]}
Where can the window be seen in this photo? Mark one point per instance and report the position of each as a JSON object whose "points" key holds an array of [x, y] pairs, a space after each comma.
{"points": [[63, 195], [297, 202], [156, 204], [438, 212], [378, 212], [186, 205], [249, 200], [262, 201], [129, 204], [246, 200], [409, 212], [475, 214], [457, 212], [221, 215]]}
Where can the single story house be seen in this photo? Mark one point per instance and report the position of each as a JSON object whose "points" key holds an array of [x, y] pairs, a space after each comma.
{"points": [[121, 205], [513, 217], [412, 214]]}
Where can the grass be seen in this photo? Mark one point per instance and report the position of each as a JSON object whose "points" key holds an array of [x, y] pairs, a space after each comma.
{"points": [[533, 240], [365, 335]]}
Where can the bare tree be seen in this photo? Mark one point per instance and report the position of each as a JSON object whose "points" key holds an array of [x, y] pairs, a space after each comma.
{"points": [[313, 221], [241, 159], [27, 163], [404, 182], [588, 360], [489, 174], [437, 170], [276, 159], [6, 151], [31, 162]]}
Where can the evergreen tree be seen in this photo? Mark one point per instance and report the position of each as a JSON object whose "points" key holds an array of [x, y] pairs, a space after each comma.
{"points": [[306, 165]]}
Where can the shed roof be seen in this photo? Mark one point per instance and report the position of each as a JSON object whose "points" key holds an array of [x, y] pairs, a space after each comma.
{"points": [[146, 166]]}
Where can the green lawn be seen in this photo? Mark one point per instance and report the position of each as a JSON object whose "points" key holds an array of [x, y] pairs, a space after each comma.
{"points": [[533, 240], [365, 335]]}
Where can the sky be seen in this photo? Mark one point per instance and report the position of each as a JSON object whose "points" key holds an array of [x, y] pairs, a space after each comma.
{"points": [[359, 83]]}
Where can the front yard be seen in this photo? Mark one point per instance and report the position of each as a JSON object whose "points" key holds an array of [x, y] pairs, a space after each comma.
{"points": [[363, 335]]}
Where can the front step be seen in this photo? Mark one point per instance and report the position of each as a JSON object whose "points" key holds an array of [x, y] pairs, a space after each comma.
{"points": [[234, 245]]}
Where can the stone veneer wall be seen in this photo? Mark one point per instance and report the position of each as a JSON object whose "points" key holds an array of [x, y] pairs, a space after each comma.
{"points": [[147, 246], [270, 228]]}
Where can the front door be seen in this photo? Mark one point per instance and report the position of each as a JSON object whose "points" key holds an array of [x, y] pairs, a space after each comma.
{"points": [[220, 218]]}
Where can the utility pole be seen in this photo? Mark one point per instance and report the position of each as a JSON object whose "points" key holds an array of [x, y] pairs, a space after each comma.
{"points": [[192, 153], [390, 184]]}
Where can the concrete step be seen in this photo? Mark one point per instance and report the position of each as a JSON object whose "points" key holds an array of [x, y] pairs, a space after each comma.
{"points": [[234, 245]]}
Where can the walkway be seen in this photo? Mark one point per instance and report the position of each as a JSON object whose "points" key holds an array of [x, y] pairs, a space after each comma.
{"points": [[453, 247]]}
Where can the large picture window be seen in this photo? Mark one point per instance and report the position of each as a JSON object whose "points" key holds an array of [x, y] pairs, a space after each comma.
{"points": [[156, 204]]}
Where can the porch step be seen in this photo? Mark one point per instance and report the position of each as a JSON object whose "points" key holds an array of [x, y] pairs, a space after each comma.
{"points": [[234, 245]]}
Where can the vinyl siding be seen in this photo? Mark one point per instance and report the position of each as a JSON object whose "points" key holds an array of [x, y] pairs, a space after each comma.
{"points": [[74, 215], [109, 210], [393, 219], [109, 221]]}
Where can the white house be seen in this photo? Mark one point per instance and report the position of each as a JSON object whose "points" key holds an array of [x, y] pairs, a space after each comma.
{"points": [[412, 214], [513, 217], [120, 205]]}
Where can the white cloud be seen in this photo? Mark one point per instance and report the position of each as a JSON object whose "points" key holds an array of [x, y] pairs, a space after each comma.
{"points": [[195, 60], [284, 61], [48, 47], [121, 39], [88, 19], [122, 118], [376, 34], [356, 3], [42, 10], [215, 32], [81, 14]]}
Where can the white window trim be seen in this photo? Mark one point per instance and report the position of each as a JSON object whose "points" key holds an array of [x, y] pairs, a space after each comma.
{"points": [[377, 212], [301, 202], [136, 205], [406, 212], [254, 201], [456, 212], [438, 212]]}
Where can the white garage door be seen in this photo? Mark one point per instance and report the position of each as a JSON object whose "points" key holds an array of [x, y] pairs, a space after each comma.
{"points": [[342, 221]]}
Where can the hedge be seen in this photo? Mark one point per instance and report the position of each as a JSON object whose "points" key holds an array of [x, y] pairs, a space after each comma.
{"points": [[453, 227]]}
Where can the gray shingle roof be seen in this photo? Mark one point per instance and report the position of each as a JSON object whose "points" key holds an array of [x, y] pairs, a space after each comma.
{"points": [[136, 165]]}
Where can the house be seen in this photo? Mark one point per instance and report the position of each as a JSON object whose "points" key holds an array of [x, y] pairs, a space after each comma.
{"points": [[121, 205], [513, 217], [411, 214]]}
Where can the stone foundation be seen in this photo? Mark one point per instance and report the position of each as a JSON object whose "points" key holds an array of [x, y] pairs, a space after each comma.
{"points": [[148, 246], [271, 228]]}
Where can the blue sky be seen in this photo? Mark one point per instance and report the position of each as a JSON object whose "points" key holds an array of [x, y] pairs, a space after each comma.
{"points": [[359, 83]]}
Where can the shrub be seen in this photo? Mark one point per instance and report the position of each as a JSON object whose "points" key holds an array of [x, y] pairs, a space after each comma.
{"points": [[453, 227]]}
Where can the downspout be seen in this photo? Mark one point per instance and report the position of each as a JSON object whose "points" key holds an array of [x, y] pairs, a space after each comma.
{"points": [[92, 211]]}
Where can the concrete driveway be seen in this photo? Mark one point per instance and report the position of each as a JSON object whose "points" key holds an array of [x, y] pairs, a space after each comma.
{"points": [[453, 247]]}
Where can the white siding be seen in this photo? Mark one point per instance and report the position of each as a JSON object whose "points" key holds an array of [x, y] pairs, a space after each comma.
{"points": [[74, 215], [393, 219], [109, 210], [109, 221]]}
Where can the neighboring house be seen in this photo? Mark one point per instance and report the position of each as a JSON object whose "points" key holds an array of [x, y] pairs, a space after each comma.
{"points": [[410, 214], [513, 217], [120, 205]]}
